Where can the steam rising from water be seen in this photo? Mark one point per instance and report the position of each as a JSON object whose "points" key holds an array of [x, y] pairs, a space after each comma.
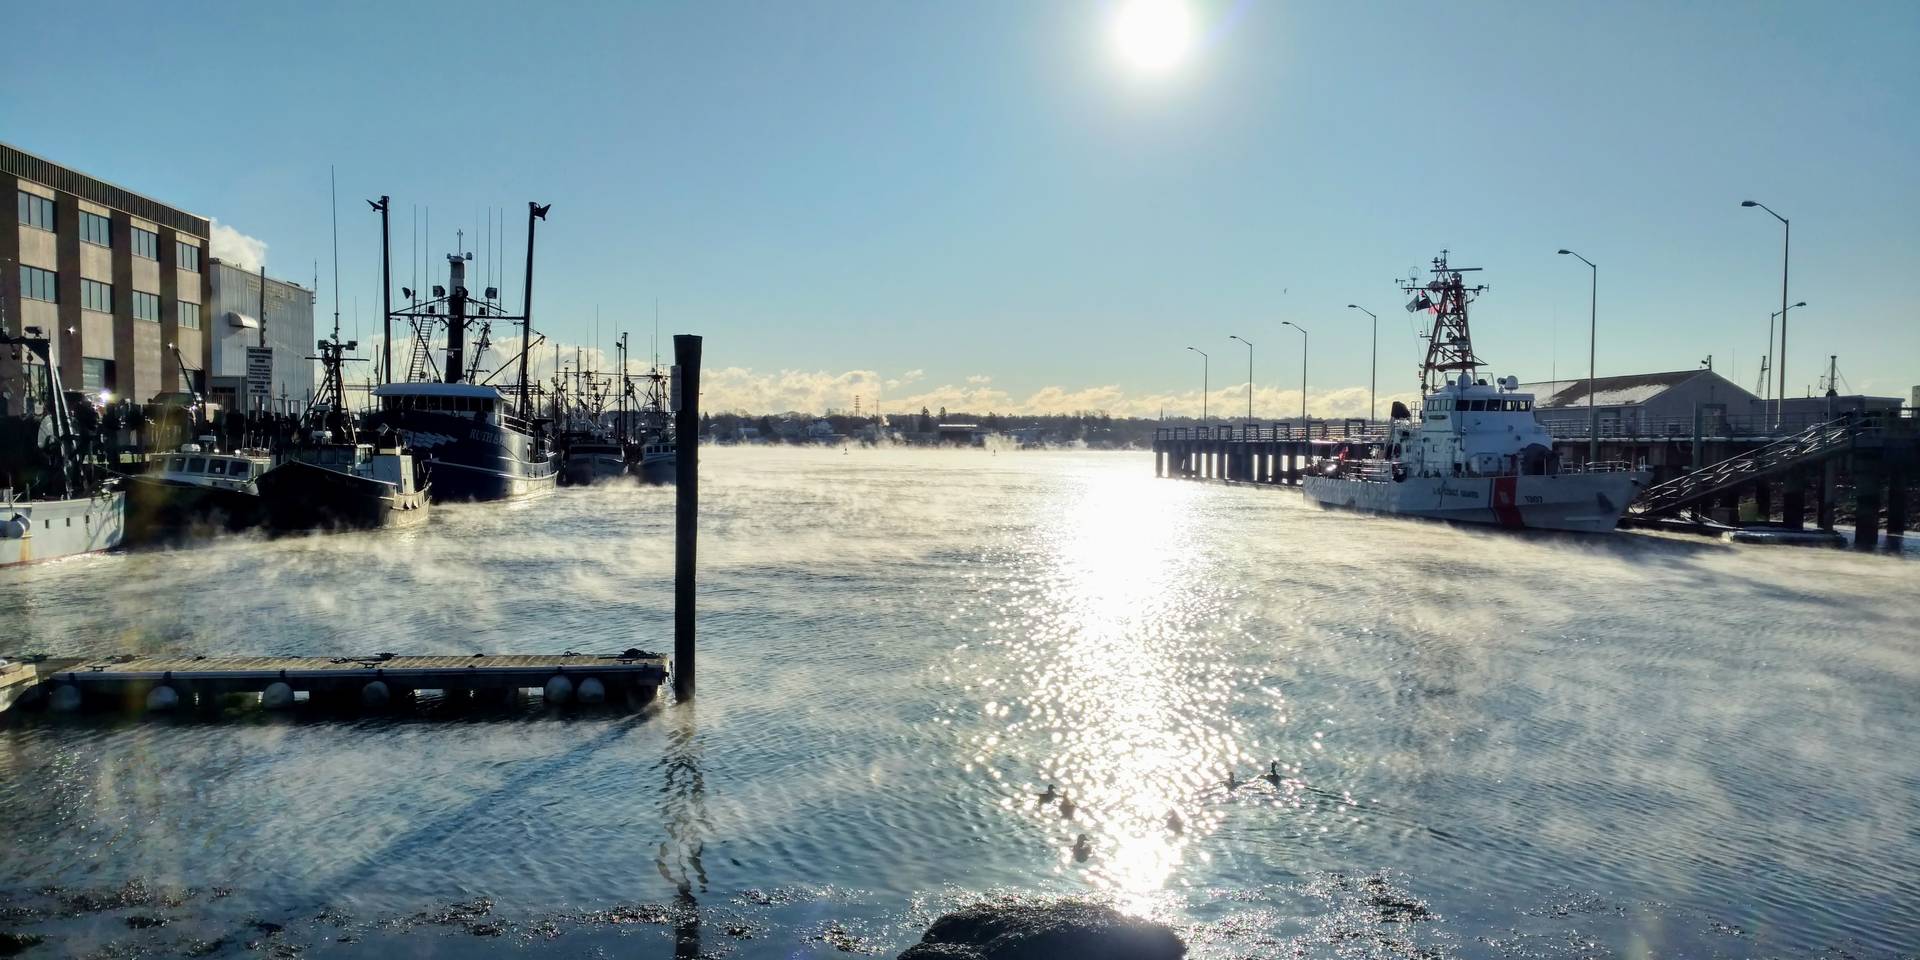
{"points": [[900, 649]]}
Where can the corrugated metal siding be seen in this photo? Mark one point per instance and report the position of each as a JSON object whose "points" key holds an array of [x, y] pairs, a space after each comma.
{"points": [[29, 167], [289, 323]]}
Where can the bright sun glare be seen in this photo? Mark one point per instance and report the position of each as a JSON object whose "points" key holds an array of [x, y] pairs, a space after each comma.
{"points": [[1152, 36]]}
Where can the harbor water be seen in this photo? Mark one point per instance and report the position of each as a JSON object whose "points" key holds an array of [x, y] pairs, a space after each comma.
{"points": [[1483, 743]]}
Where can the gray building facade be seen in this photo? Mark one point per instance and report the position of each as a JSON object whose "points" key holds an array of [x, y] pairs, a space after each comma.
{"points": [[238, 323], [116, 279], [1645, 404]]}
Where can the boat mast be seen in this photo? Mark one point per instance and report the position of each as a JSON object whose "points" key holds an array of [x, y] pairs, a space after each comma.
{"points": [[534, 212], [1450, 345]]}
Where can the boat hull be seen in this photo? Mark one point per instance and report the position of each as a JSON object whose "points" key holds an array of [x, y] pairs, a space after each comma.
{"points": [[469, 460], [589, 468], [32, 530], [1575, 502], [166, 511], [298, 496], [658, 469]]}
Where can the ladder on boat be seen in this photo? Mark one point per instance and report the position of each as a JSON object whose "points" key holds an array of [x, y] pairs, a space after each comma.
{"points": [[420, 366], [1810, 445]]}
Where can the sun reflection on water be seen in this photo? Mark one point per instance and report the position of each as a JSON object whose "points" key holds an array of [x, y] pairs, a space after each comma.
{"points": [[1112, 723]]}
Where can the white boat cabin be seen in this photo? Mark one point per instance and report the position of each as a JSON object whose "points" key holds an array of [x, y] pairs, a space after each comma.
{"points": [[468, 400], [1471, 428], [227, 471]]}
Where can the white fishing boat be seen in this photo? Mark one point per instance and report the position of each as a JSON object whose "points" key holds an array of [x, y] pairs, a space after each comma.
{"points": [[1475, 454], [52, 502]]}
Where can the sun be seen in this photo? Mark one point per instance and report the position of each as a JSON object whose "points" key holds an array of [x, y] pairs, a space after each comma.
{"points": [[1152, 36]]}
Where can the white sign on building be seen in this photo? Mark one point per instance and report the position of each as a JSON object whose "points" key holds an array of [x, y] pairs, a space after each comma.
{"points": [[259, 375]]}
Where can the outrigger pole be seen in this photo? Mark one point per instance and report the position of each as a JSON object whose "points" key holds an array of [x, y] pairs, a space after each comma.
{"points": [[386, 293], [534, 212]]}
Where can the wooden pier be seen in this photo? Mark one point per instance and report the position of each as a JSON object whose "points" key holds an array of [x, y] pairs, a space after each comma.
{"points": [[1713, 477], [626, 680]]}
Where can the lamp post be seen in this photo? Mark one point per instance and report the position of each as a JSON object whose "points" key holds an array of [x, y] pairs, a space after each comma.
{"points": [[1373, 369], [1203, 382], [1593, 330], [1786, 247], [1303, 370], [1249, 344], [1771, 317]]}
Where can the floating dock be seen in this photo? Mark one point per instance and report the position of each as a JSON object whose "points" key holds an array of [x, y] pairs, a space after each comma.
{"points": [[627, 680]]}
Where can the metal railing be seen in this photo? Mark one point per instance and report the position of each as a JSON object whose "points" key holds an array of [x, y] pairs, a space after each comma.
{"points": [[1814, 443], [1252, 432], [1681, 428]]}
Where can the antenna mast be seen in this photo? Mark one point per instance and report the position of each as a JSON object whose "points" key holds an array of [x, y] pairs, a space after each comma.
{"points": [[1450, 345]]}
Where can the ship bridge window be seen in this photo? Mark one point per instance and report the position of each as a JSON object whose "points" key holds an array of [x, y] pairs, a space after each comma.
{"points": [[1474, 406], [197, 465]]}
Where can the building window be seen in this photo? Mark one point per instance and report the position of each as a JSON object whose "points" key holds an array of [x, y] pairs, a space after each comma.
{"points": [[95, 375], [146, 244], [146, 306], [189, 257], [95, 228], [38, 284], [95, 295], [36, 210], [189, 315]]}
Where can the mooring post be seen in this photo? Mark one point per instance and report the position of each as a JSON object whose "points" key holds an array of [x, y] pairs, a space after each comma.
{"points": [[686, 355], [1896, 506], [1867, 483], [1793, 508], [1828, 492]]}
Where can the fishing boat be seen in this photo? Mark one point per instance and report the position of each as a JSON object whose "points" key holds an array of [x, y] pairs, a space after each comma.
{"points": [[330, 480], [52, 504], [654, 451], [590, 446], [477, 441], [1475, 453], [194, 492], [593, 457]]}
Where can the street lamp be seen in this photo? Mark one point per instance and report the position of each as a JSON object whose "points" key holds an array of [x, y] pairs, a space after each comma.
{"points": [[1249, 344], [1593, 330], [1771, 317], [1373, 372], [1203, 382], [1303, 370], [1786, 247]]}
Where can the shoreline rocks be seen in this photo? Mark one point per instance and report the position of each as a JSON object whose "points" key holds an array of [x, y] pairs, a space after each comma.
{"points": [[1020, 930]]}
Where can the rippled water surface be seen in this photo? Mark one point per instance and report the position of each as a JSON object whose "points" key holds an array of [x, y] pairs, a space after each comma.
{"points": [[1478, 744]]}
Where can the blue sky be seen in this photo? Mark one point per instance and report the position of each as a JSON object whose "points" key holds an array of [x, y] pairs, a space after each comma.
{"points": [[981, 203]]}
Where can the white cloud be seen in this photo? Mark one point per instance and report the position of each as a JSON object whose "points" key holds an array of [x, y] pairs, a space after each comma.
{"points": [[745, 390], [232, 246]]}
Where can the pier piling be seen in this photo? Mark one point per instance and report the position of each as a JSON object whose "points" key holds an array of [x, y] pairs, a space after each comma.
{"points": [[686, 355]]}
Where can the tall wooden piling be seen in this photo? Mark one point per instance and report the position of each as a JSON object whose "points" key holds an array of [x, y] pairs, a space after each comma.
{"points": [[1896, 506], [1793, 501], [686, 355], [1867, 485]]}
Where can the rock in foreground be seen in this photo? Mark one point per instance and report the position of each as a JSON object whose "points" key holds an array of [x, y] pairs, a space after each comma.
{"points": [[1038, 931]]}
